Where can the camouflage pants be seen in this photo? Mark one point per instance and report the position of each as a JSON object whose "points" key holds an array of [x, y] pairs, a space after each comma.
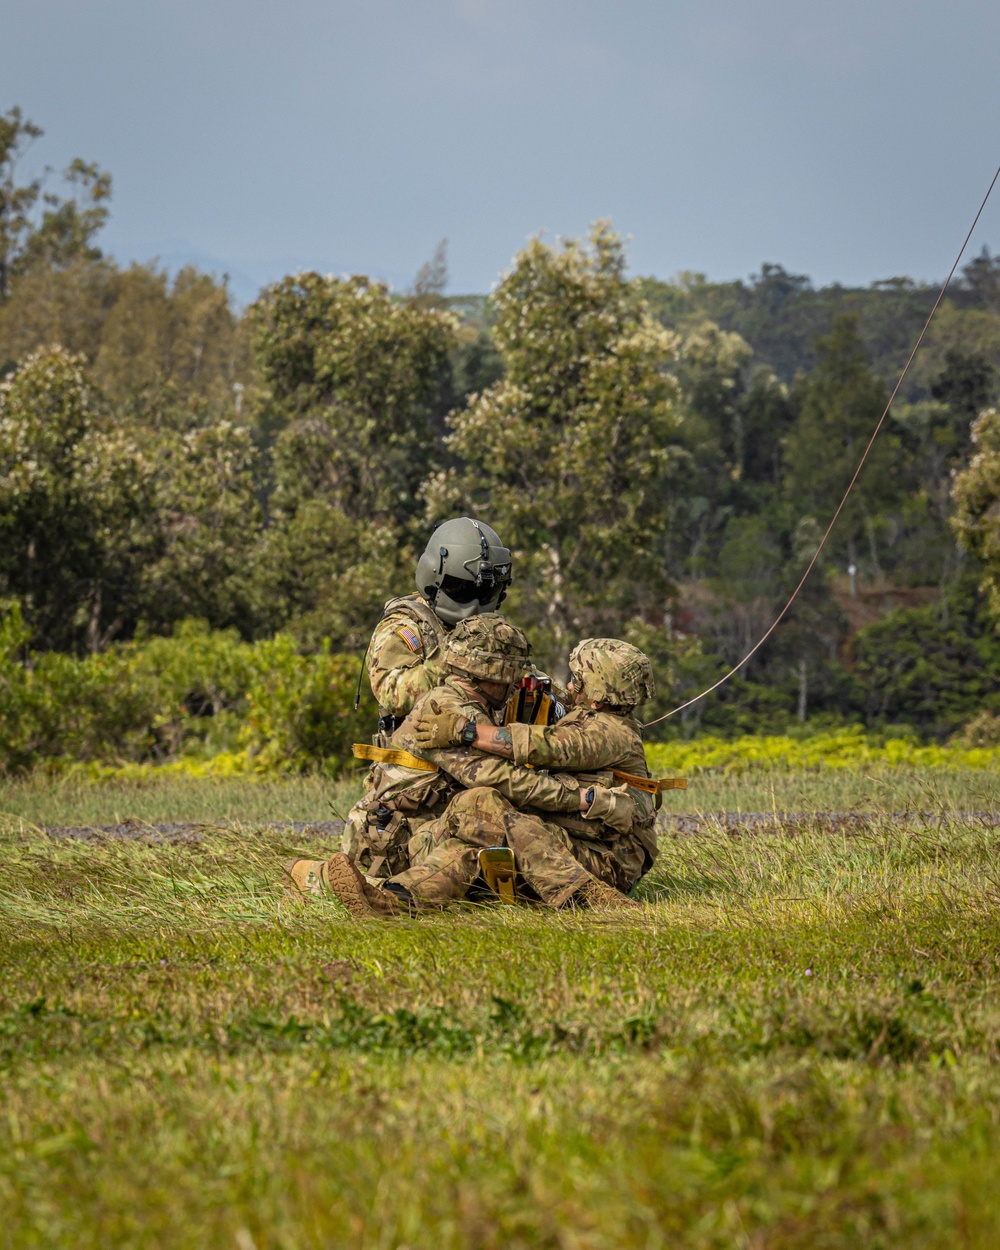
{"points": [[444, 855]]}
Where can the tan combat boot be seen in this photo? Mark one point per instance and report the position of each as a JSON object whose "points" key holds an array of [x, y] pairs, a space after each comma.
{"points": [[597, 896], [362, 900], [304, 877]]}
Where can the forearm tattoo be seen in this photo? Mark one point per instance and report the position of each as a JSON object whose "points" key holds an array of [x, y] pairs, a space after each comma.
{"points": [[496, 741]]}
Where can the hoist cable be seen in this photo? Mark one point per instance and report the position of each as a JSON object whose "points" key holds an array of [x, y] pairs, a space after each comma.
{"points": [[850, 486]]}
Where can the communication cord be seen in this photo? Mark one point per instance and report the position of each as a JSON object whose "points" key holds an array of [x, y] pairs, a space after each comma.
{"points": [[850, 486]]}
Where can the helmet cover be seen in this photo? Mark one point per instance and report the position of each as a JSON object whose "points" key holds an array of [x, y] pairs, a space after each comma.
{"points": [[611, 671], [487, 647], [465, 570]]}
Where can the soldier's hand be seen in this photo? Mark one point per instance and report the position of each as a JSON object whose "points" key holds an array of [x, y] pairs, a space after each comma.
{"points": [[614, 807], [433, 726]]}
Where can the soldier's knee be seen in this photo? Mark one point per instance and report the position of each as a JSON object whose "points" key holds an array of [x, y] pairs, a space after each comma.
{"points": [[526, 833]]}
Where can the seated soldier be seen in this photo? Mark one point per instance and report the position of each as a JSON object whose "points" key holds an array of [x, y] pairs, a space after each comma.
{"points": [[411, 805], [608, 680]]}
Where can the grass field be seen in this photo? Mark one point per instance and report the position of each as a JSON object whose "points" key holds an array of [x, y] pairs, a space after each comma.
{"points": [[794, 1043]]}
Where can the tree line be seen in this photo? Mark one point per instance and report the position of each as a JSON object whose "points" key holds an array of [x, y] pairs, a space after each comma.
{"points": [[662, 458]]}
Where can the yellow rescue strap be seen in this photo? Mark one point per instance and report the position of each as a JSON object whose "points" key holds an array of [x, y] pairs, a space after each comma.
{"points": [[392, 755], [649, 784]]}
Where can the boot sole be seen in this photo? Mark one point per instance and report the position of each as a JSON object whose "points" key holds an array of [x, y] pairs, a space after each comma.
{"points": [[349, 886]]}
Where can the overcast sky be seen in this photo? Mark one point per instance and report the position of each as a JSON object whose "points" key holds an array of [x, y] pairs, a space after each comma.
{"points": [[850, 140]]}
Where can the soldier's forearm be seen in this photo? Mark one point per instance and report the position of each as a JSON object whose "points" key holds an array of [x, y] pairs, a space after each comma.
{"points": [[494, 741]]}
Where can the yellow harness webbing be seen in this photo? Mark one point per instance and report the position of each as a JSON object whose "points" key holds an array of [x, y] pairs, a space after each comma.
{"points": [[392, 755], [649, 784]]}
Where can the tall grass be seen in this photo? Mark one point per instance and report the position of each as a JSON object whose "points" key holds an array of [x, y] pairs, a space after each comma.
{"points": [[77, 797], [793, 1044]]}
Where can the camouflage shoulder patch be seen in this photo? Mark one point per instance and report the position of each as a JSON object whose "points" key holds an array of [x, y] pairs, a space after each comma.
{"points": [[411, 638]]}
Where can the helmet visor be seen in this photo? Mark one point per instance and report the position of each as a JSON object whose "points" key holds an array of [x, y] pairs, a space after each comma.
{"points": [[484, 589]]}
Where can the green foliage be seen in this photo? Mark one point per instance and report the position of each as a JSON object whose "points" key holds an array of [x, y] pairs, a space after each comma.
{"points": [[322, 574], [665, 480], [196, 693], [977, 495], [300, 708], [354, 387], [73, 499], [205, 525], [933, 667], [169, 350], [569, 454], [165, 353], [365, 375], [840, 404], [841, 748]]}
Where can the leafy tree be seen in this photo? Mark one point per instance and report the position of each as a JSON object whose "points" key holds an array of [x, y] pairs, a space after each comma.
{"points": [[354, 385], [710, 369], [66, 306], [206, 520], [170, 347], [569, 455], [977, 499], [981, 278], [932, 667], [371, 368], [840, 403], [158, 349], [74, 504], [16, 202], [67, 226], [66, 231], [326, 575], [432, 278]]}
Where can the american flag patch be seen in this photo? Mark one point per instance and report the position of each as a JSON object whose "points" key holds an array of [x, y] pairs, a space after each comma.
{"points": [[411, 638]]}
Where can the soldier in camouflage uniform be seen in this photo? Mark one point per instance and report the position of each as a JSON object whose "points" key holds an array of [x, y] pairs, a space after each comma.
{"points": [[437, 818], [464, 570], [600, 735]]}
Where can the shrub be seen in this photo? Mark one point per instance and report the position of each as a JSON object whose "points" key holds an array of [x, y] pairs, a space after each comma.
{"points": [[197, 693], [300, 708]]}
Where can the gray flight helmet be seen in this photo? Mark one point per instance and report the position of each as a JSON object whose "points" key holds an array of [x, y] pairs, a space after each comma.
{"points": [[465, 569]]}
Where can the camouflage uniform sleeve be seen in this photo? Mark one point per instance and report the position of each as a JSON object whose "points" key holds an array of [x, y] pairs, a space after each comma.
{"points": [[581, 742], [398, 674], [524, 787]]}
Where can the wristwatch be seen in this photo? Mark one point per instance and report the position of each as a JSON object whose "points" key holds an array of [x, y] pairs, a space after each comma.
{"points": [[588, 798], [468, 734]]}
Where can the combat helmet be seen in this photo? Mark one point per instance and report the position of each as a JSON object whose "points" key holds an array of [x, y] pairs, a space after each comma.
{"points": [[487, 647], [611, 671], [465, 569]]}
